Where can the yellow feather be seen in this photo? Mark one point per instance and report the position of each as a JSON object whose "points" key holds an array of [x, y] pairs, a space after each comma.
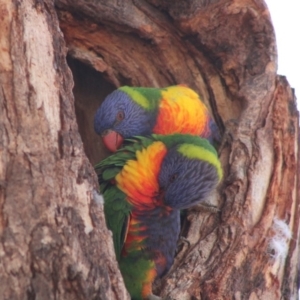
{"points": [[196, 152]]}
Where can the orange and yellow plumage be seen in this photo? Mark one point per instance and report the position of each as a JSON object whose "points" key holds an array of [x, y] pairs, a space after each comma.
{"points": [[181, 111], [134, 111]]}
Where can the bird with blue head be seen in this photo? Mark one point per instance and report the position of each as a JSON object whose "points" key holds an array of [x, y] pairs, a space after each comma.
{"points": [[132, 111], [145, 184]]}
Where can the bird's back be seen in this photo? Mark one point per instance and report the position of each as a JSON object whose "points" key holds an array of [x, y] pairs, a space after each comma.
{"points": [[181, 111]]}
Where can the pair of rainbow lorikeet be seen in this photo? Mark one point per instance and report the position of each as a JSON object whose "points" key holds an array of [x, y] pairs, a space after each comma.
{"points": [[166, 164]]}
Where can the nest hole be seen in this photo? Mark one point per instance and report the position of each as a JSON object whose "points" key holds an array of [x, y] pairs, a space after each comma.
{"points": [[90, 89]]}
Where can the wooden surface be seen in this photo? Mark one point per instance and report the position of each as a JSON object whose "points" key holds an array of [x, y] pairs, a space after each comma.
{"points": [[53, 239]]}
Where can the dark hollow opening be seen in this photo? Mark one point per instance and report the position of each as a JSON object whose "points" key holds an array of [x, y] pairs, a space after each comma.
{"points": [[90, 89]]}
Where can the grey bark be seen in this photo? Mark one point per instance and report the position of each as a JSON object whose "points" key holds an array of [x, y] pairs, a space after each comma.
{"points": [[53, 240]]}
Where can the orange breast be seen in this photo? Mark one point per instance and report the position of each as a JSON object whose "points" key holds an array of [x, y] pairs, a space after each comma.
{"points": [[139, 178]]}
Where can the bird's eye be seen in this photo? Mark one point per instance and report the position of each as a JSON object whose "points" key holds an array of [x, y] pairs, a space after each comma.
{"points": [[173, 177], [120, 115]]}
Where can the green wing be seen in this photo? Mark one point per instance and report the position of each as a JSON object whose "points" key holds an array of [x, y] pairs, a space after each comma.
{"points": [[117, 213], [116, 208]]}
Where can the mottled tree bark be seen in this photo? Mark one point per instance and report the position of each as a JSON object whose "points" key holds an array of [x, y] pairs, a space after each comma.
{"points": [[53, 238]]}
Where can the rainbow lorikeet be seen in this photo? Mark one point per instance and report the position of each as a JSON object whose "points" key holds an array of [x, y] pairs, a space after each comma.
{"points": [[132, 111], [145, 184]]}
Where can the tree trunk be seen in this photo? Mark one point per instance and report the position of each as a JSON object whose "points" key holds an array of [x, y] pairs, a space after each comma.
{"points": [[54, 243]]}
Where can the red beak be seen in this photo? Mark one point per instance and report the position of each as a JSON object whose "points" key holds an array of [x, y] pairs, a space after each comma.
{"points": [[112, 140]]}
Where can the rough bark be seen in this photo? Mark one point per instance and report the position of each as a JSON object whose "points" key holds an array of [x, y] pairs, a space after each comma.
{"points": [[52, 233], [53, 240]]}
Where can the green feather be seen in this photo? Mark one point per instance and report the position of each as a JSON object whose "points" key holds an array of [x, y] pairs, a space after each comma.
{"points": [[110, 173], [133, 267], [117, 211], [148, 98], [116, 208]]}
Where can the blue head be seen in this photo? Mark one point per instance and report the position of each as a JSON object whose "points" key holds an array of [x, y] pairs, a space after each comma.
{"points": [[120, 113], [120, 117], [186, 181]]}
